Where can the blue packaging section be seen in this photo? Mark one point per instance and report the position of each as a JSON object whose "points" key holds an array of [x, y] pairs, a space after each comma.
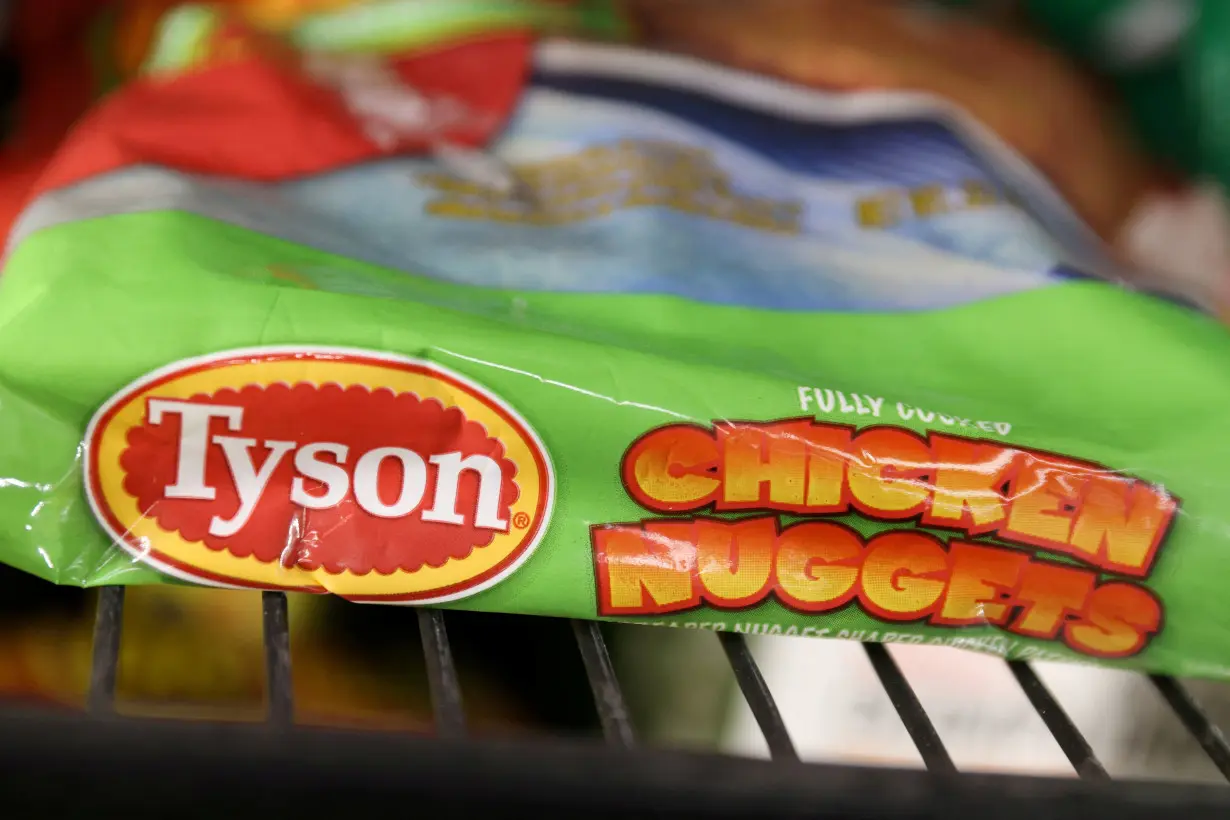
{"points": [[628, 187]]}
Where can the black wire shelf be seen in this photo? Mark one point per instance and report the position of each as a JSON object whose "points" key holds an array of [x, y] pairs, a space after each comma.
{"points": [[615, 781], [193, 769]]}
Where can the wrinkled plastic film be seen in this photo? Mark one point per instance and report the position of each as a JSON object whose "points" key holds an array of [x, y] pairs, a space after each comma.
{"points": [[604, 334]]}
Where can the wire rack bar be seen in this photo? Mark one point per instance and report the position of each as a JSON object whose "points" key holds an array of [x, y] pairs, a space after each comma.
{"points": [[759, 698], [105, 659], [442, 680], [917, 723], [1069, 738], [278, 685], [69, 767], [1194, 719], [608, 697]]}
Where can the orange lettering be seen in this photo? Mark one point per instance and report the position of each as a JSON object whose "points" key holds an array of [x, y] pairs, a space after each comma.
{"points": [[1048, 594], [969, 477], [1118, 621], [828, 452], [886, 468], [671, 469], [646, 571], [1121, 523], [899, 570], [764, 465], [1044, 494], [735, 560], [976, 589], [817, 565]]}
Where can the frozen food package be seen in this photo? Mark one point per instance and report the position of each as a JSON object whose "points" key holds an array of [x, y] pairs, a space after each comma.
{"points": [[515, 323]]}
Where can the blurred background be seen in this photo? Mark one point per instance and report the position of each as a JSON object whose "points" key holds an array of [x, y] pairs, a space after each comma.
{"points": [[1114, 100]]}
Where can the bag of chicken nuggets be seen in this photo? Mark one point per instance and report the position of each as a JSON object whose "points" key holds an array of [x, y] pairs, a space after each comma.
{"points": [[757, 324]]}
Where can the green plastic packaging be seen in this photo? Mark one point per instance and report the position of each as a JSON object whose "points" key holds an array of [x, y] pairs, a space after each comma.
{"points": [[618, 336]]}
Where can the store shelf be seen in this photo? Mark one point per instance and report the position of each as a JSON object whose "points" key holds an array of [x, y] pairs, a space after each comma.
{"points": [[288, 767]]}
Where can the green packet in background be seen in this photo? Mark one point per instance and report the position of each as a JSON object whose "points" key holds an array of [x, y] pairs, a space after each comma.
{"points": [[584, 331], [383, 26], [1168, 59]]}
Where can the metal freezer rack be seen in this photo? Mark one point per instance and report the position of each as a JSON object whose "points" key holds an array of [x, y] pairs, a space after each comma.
{"points": [[107, 764]]}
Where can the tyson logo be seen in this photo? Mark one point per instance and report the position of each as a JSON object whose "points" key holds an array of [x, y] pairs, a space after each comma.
{"points": [[372, 476]]}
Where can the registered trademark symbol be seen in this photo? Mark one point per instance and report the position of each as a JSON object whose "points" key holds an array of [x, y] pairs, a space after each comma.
{"points": [[521, 520]]}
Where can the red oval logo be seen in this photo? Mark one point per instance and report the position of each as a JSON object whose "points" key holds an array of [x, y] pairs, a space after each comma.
{"points": [[368, 475]]}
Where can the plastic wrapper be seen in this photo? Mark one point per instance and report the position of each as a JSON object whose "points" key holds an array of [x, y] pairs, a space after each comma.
{"points": [[534, 326]]}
